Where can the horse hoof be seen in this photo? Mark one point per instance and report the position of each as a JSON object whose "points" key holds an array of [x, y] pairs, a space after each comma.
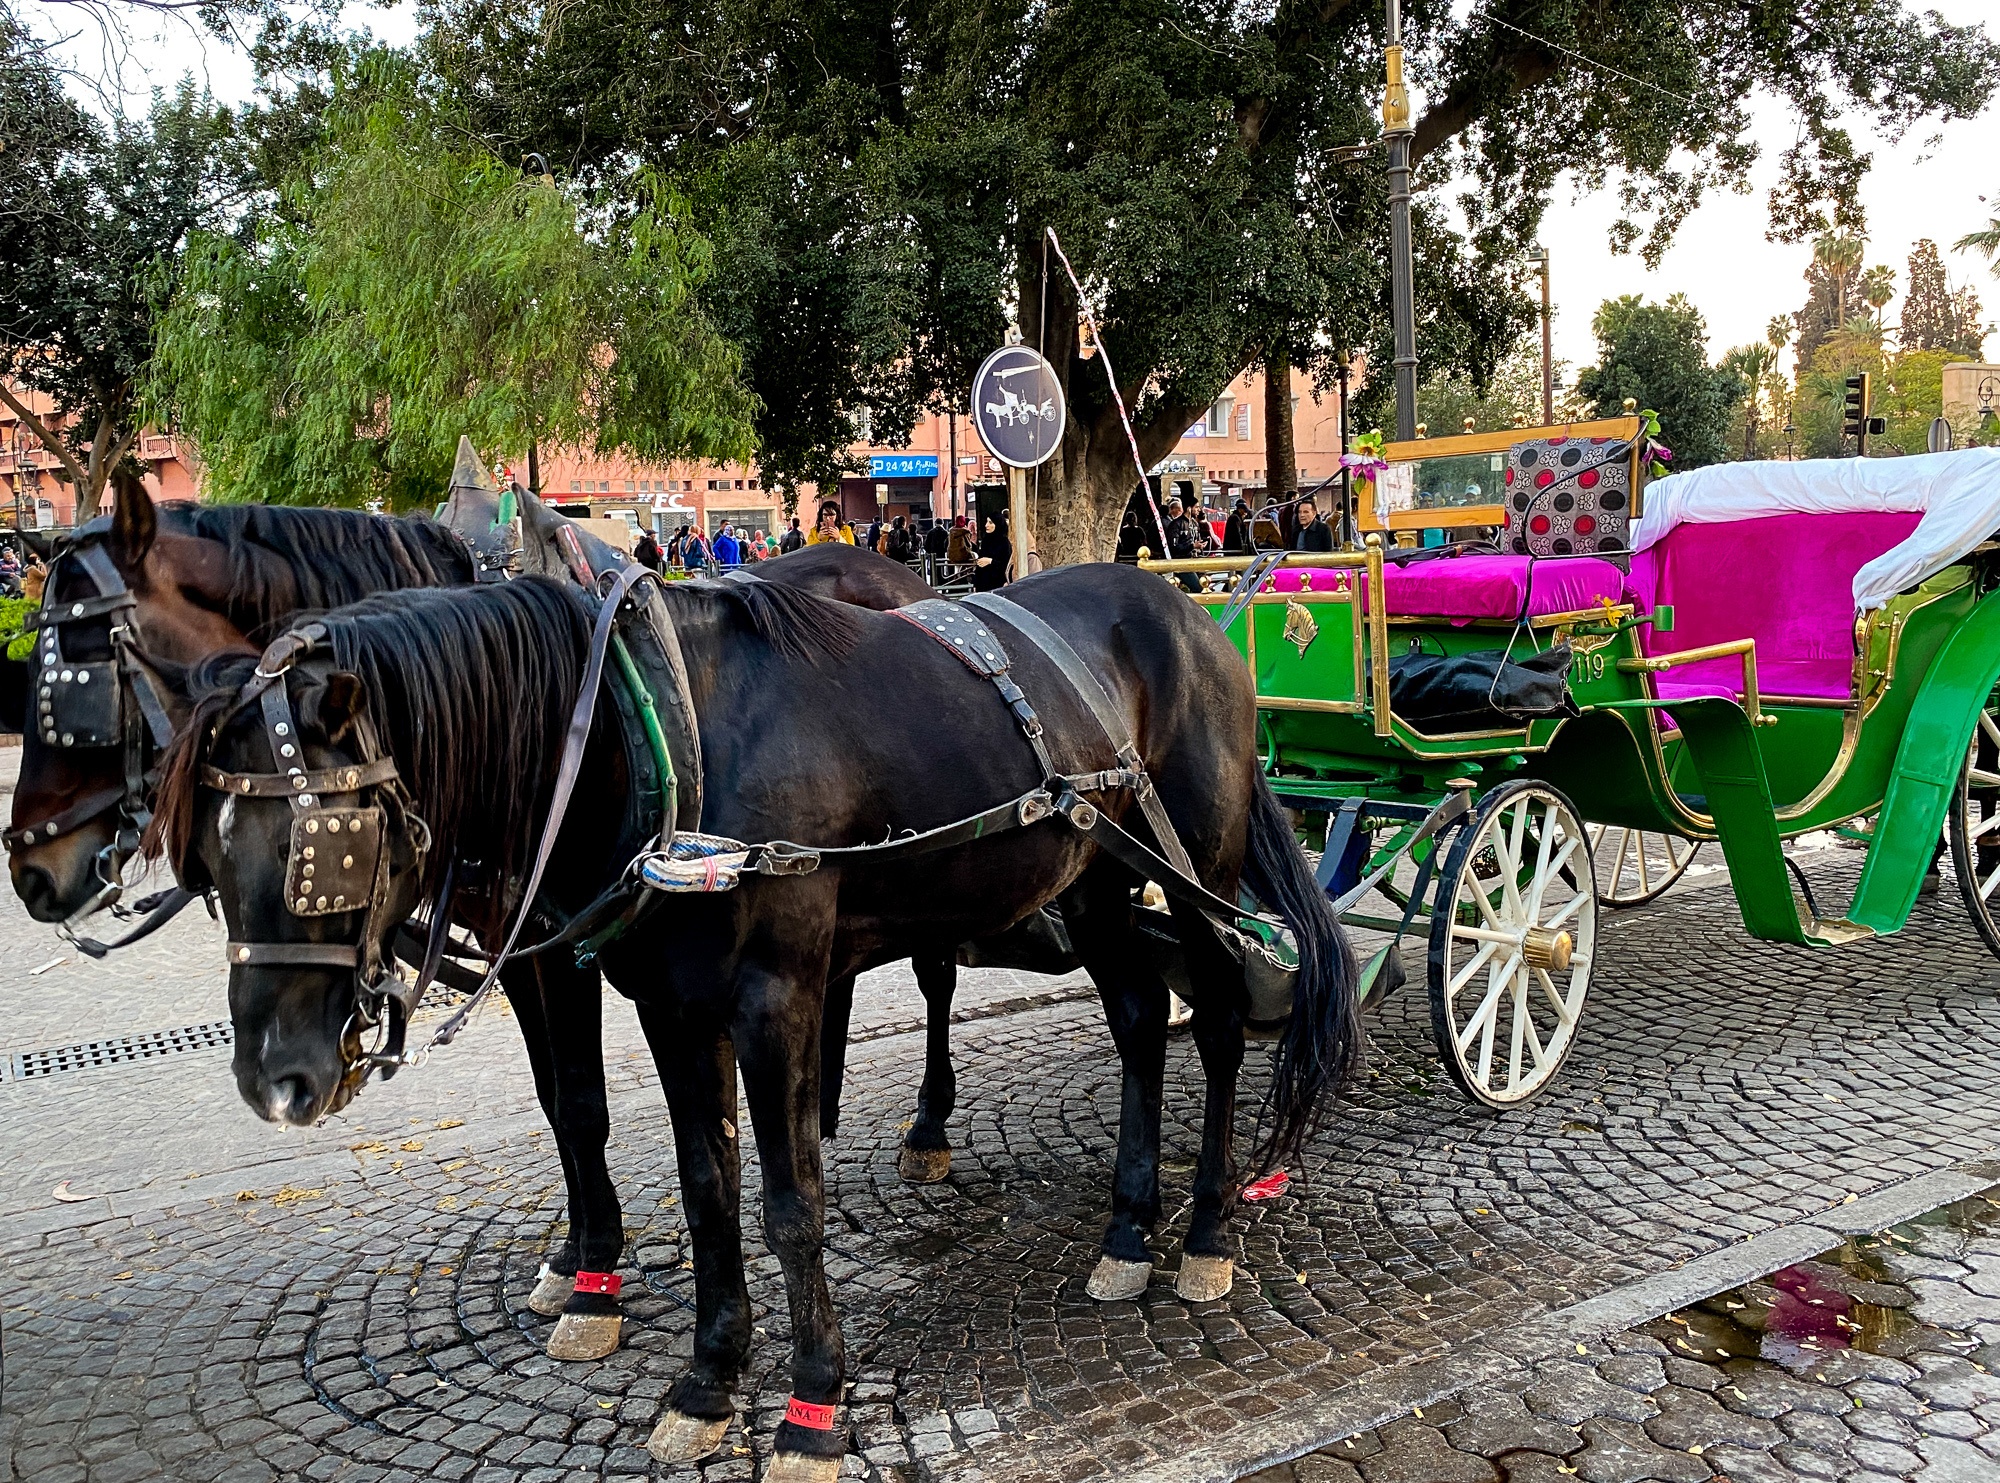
{"points": [[1203, 1279], [1180, 1014], [681, 1438], [798, 1467], [923, 1165], [1116, 1282], [551, 1293], [584, 1336]]}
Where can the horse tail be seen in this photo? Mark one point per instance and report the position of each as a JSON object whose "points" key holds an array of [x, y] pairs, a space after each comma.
{"points": [[1321, 1047]]}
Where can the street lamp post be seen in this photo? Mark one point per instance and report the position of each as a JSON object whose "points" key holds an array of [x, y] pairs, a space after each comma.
{"points": [[1540, 257], [1402, 291]]}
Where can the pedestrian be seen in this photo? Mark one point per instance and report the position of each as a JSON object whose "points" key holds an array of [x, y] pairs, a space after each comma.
{"points": [[958, 546], [647, 552], [728, 550], [1180, 532], [901, 545], [995, 552], [937, 540], [1313, 534], [873, 540], [695, 552], [1236, 534], [792, 540], [758, 547], [829, 526]]}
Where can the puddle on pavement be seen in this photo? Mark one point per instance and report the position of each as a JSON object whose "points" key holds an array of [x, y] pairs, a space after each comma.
{"points": [[1848, 1297]]}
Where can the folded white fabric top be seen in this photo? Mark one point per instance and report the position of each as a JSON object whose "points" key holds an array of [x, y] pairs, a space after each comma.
{"points": [[1958, 495]]}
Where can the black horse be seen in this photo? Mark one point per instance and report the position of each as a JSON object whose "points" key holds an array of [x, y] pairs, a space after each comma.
{"points": [[800, 739], [204, 579]]}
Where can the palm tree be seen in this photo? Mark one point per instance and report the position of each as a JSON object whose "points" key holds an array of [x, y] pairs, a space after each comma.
{"points": [[1839, 253], [1754, 363], [1778, 333], [1986, 241], [1878, 286]]}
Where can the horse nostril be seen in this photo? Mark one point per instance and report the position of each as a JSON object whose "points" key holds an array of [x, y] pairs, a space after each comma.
{"points": [[37, 890], [289, 1099]]}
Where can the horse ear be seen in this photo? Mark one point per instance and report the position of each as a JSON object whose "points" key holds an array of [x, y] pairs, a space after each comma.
{"points": [[335, 706], [133, 522], [41, 542]]}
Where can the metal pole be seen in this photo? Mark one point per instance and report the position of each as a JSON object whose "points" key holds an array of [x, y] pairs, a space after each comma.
{"points": [[1402, 290], [951, 497], [1548, 351]]}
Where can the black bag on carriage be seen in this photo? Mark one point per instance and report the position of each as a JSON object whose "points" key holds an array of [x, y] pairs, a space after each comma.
{"points": [[1484, 690]]}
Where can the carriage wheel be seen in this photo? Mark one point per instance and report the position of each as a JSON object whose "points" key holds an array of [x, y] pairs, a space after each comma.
{"points": [[1512, 941], [1975, 827], [1640, 865]]}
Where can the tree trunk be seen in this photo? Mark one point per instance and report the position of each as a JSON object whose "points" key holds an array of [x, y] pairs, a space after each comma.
{"points": [[1281, 459]]}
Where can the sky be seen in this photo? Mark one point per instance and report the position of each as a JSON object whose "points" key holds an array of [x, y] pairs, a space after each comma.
{"points": [[1720, 258]]}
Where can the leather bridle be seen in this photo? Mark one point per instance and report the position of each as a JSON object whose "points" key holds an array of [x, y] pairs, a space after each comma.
{"points": [[79, 705], [344, 822]]}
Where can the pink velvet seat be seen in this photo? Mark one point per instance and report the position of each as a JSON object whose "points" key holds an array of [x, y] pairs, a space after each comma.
{"points": [[1786, 581], [1462, 588]]}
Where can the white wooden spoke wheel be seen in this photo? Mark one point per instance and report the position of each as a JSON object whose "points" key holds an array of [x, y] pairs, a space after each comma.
{"points": [[1975, 827], [1635, 866], [1513, 936]]}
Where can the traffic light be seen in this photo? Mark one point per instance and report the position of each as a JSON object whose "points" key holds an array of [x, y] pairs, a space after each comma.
{"points": [[1855, 422]]}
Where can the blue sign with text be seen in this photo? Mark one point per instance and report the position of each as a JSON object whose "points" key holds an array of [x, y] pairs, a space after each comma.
{"points": [[902, 466]]}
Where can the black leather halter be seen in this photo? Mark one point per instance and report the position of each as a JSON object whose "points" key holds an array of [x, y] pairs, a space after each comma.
{"points": [[339, 857], [78, 705]]}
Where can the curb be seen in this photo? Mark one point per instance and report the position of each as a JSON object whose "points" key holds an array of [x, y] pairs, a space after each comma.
{"points": [[1380, 1399]]}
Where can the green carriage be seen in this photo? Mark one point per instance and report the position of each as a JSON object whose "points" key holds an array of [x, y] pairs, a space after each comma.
{"points": [[1783, 649]]}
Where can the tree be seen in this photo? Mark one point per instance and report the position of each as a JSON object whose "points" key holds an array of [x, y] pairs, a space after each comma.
{"points": [[1839, 255], [96, 228], [1936, 316], [878, 178], [1512, 398], [1986, 240], [1820, 315], [417, 289], [1877, 287], [1657, 354], [1755, 366]]}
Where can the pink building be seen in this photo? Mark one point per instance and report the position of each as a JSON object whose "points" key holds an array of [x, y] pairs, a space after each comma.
{"points": [[35, 491]]}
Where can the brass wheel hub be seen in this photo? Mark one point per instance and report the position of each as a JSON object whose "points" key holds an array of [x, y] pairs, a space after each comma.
{"points": [[1547, 948]]}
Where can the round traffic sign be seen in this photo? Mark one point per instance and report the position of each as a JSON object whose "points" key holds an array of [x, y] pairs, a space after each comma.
{"points": [[1017, 405]]}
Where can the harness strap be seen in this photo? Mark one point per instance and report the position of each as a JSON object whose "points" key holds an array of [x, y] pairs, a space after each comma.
{"points": [[1092, 691], [164, 911], [299, 782], [970, 642], [783, 857], [294, 955], [46, 617], [1089, 820], [84, 809]]}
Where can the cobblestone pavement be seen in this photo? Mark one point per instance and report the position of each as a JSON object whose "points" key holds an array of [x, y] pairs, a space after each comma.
{"points": [[1871, 1364], [233, 1300]]}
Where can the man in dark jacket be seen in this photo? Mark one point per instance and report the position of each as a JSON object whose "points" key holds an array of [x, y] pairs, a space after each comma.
{"points": [[1236, 533], [647, 552], [1313, 534], [1180, 532], [937, 539], [791, 540]]}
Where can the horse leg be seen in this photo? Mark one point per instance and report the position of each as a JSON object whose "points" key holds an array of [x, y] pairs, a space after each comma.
{"points": [[926, 1155], [778, 1025], [559, 1009], [833, 1052], [1216, 978], [1098, 913], [697, 1068]]}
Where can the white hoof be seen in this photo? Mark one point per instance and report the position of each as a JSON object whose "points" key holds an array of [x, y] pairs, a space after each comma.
{"points": [[1178, 1011], [585, 1336], [681, 1438], [552, 1291], [1203, 1279], [797, 1467], [1116, 1282]]}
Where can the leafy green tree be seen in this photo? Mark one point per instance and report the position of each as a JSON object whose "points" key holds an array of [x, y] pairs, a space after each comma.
{"points": [[93, 235], [1657, 354], [878, 178], [416, 288], [1756, 367], [1512, 398], [1935, 315]]}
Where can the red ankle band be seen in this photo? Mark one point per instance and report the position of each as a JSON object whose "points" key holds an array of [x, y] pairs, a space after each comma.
{"points": [[606, 1283], [804, 1413]]}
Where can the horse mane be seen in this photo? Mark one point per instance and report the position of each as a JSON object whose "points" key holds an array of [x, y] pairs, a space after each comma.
{"points": [[796, 623], [469, 690], [286, 559]]}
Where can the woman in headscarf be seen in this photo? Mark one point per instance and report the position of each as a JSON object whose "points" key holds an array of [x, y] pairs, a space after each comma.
{"points": [[958, 550], [995, 552]]}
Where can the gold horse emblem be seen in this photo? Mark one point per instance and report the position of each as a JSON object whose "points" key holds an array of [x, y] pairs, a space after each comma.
{"points": [[1300, 627]]}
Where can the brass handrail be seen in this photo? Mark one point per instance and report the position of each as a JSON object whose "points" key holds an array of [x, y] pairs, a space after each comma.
{"points": [[1747, 648]]}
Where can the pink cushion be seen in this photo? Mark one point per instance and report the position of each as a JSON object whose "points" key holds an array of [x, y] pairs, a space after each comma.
{"points": [[1786, 581], [1462, 588]]}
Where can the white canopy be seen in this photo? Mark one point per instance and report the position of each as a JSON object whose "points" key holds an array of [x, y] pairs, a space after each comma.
{"points": [[1958, 495]]}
